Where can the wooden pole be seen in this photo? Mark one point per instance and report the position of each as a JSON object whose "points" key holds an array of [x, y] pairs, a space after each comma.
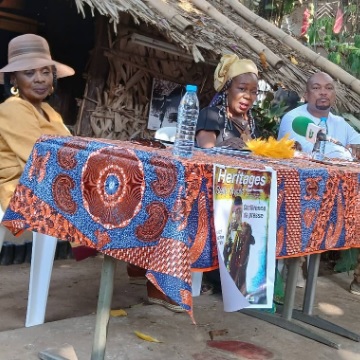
{"points": [[154, 73], [170, 14], [77, 127], [326, 65], [233, 28], [96, 77]]}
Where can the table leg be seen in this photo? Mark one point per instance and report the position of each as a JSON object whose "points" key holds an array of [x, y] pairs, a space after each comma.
{"points": [[103, 307], [290, 289], [310, 287], [287, 310], [306, 314]]}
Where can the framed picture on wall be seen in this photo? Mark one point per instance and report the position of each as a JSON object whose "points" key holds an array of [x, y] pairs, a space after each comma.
{"points": [[165, 100]]}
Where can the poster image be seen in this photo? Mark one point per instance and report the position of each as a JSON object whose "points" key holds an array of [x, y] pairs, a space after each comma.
{"points": [[237, 245], [165, 100], [245, 224]]}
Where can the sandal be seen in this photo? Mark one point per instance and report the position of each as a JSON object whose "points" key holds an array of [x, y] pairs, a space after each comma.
{"points": [[155, 296], [206, 289]]}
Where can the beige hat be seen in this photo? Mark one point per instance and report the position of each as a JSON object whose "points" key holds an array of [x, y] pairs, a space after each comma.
{"points": [[230, 66], [29, 51]]}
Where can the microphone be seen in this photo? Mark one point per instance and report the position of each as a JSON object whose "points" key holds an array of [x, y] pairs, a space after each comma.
{"points": [[305, 127]]}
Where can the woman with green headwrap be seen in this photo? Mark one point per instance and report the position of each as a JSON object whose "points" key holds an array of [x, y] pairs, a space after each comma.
{"points": [[228, 119]]}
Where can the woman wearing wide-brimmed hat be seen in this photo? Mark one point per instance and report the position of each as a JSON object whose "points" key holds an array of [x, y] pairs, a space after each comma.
{"points": [[30, 76]]}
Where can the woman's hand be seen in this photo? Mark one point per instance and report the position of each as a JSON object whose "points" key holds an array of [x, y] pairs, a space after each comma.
{"points": [[234, 143], [206, 139]]}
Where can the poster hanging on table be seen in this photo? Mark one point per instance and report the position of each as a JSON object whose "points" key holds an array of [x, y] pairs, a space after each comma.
{"points": [[245, 205]]}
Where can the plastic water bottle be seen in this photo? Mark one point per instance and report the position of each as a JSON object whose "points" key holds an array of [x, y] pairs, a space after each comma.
{"points": [[322, 125], [188, 114], [319, 147]]}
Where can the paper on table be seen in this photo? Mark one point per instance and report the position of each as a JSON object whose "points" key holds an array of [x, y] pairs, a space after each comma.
{"points": [[166, 134]]}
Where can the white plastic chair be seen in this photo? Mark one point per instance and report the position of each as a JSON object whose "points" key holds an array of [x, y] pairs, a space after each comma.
{"points": [[42, 260], [2, 236], [166, 134]]}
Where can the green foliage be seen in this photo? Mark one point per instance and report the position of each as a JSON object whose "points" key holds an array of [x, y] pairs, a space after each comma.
{"points": [[343, 49], [275, 10], [357, 41], [320, 30], [279, 287], [268, 116], [348, 260], [335, 57]]}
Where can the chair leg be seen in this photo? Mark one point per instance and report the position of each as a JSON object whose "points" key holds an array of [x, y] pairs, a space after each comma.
{"points": [[2, 235], [42, 259], [2, 229]]}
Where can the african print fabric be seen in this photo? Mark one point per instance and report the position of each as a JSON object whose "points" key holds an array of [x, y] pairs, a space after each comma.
{"points": [[140, 204], [128, 203]]}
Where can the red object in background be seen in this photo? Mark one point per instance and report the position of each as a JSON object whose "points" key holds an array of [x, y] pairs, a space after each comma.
{"points": [[82, 252], [338, 21], [306, 22], [239, 348]]}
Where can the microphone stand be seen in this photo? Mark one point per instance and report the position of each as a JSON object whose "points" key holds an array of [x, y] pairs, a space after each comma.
{"points": [[323, 137], [316, 153], [316, 147]]}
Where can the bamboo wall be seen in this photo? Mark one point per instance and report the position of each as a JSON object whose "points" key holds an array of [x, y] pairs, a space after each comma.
{"points": [[116, 106]]}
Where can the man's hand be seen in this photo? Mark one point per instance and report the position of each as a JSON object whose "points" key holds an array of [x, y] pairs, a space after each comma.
{"points": [[297, 146]]}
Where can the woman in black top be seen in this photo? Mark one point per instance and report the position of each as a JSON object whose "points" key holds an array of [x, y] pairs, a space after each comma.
{"points": [[228, 120]]}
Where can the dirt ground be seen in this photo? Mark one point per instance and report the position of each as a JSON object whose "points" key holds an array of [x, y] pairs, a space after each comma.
{"points": [[70, 319], [73, 291]]}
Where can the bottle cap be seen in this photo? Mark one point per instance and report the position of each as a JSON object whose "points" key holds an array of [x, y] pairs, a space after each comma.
{"points": [[191, 88]]}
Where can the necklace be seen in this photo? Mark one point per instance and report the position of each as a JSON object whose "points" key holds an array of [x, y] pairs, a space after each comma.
{"points": [[229, 126]]}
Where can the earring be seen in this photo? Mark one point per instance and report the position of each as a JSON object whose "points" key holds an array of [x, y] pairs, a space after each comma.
{"points": [[14, 91], [51, 91]]}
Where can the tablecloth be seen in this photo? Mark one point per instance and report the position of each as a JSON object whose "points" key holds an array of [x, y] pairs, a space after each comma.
{"points": [[142, 205]]}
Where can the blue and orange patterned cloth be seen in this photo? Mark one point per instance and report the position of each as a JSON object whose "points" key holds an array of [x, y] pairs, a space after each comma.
{"points": [[139, 204]]}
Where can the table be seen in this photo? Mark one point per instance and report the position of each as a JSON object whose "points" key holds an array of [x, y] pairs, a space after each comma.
{"points": [[139, 204], [324, 202]]}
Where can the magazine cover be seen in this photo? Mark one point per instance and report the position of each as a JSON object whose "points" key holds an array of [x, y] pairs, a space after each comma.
{"points": [[245, 223], [165, 100]]}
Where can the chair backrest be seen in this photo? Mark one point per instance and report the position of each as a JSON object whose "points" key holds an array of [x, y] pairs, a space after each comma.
{"points": [[166, 134]]}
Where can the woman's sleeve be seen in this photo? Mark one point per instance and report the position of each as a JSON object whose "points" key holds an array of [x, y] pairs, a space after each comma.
{"points": [[20, 129], [208, 120]]}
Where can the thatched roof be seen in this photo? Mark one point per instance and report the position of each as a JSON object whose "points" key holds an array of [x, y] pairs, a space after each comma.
{"points": [[208, 29]]}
